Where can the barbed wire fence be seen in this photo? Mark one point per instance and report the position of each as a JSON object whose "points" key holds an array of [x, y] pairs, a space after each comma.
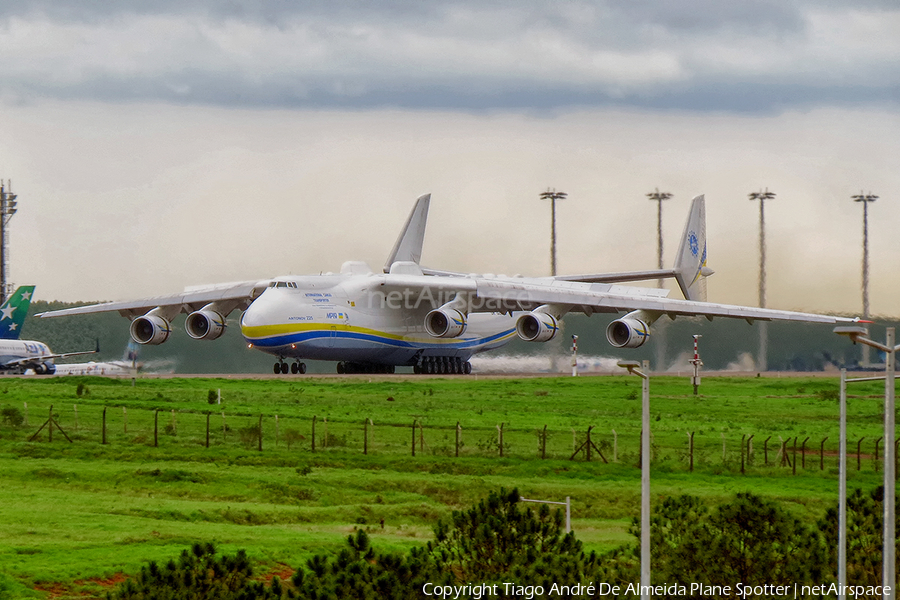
{"points": [[679, 450]]}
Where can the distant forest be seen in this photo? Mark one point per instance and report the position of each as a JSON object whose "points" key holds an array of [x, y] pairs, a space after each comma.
{"points": [[792, 346]]}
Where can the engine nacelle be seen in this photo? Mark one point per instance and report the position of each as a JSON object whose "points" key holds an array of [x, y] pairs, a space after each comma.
{"points": [[537, 327], [627, 332], [445, 323], [150, 329], [44, 369], [204, 325]]}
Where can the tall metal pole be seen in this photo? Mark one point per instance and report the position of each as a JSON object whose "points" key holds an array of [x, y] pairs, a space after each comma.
{"points": [[890, 565], [842, 494], [553, 196], [865, 199], [762, 360], [645, 480], [660, 337], [644, 374], [7, 210]]}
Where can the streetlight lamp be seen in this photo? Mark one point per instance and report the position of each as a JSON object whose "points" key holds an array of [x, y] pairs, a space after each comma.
{"points": [[644, 374], [553, 196], [860, 334], [762, 359], [865, 199], [7, 210]]}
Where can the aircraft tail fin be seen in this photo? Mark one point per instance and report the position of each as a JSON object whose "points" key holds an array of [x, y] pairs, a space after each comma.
{"points": [[13, 312], [690, 262], [408, 247]]}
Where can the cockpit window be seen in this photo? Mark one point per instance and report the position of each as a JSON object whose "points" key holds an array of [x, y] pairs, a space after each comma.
{"points": [[283, 284]]}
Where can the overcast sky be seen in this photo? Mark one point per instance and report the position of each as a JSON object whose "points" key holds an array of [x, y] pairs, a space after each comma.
{"points": [[160, 144]]}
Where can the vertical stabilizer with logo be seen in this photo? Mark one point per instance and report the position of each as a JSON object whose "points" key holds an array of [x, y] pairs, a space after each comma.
{"points": [[690, 262], [13, 311]]}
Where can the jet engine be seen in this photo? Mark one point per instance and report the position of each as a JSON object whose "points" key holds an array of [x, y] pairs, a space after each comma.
{"points": [[627, 332], [44, 369], [445, 322], [205, 325], [150, 329], [537, 327]]}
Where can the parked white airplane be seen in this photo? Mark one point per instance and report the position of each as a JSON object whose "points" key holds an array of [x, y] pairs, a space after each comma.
{"points": [[125, 367], [19, 356], [433, 321]]}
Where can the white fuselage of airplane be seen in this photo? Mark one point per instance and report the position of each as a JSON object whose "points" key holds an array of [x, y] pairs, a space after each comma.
{"points": [[17, 355], [340, 317]]}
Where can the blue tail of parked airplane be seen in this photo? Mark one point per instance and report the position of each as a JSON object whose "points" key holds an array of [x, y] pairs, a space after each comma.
{"points": [[13, 311]]}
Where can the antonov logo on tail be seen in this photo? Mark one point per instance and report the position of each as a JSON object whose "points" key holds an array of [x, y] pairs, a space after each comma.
{"points": [[433, 321]]}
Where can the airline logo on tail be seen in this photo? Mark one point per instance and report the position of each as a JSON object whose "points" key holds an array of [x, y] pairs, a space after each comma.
{"points": [[13, 312]]}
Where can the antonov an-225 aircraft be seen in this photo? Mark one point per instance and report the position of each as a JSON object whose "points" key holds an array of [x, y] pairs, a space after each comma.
{"points": [[433, 321]]}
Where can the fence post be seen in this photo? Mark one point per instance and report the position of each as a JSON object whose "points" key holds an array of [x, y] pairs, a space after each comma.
{"points": [[260, 432], [224, 426], [588, 449], [766, 450], [314, 433], [458, 431], [103, 437], [174, 423], [615, 446], [878, 441], [859, 453], [803, 450], [743, 439], [691, 449], [544, 443], [156, 428], [207, 428], [414, 438], [750, 450], [500, 438], [822, 455], [794, 466]]}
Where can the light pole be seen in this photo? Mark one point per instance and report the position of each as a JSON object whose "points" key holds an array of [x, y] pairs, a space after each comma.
{"points": [[865, 199], [644, 374], [660, 341], [553, 196], [762, 359], [860, 334], [7, 210]]}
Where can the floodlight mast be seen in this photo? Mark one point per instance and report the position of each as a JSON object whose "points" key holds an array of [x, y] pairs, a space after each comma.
{"points": [[865, 199], [860, 334], [7, 210], [553, 196], [762, 359], [660, 337]]}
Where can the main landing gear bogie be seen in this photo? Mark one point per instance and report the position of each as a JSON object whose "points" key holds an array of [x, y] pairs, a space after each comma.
{"points": [[282, 368], [443, 365]]}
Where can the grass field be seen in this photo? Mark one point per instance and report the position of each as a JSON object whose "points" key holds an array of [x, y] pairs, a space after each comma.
{"points": [[78, 515]]}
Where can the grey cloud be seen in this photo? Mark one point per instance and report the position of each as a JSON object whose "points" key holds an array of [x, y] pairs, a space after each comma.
{"points": [[758, 55]]}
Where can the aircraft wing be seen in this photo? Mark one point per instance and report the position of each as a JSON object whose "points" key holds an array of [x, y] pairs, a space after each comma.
{"points": [[239, 294], [37, 360], [597, 297]]}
